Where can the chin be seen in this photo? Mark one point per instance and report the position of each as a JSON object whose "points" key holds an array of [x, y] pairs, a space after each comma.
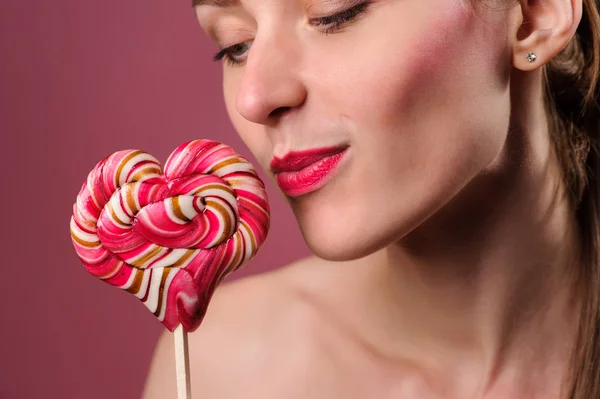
{"points": [[345, 230], [337, 250], [339, 242]]}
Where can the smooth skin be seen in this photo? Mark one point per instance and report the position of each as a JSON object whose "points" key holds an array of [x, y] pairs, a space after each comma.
{"points": [[444, 245]]}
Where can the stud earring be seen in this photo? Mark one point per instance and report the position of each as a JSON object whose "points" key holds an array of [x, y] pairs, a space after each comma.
{"points": [[531, 57]]}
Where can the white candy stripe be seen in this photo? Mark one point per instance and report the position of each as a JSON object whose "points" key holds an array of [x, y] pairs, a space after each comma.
{"points": [[134, 161], [257, 206], [218, 161], [246, 236], [130, 191], [114, 207], [136, 196], [170, 259], [221, 220], [84, 236], [186, 204], [158, 231], [226, 195], [147, 251], [144, 286], [225, 170], [171, 212], [130, 280], [189, 260], [153, 293], [90, 186], [163, 307]]}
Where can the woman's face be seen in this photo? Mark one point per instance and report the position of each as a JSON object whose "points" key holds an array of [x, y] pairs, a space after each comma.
{"points": [[418, 90]]}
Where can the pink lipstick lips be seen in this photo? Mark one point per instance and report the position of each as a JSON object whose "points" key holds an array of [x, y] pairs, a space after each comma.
{"points": [[301, 172]]}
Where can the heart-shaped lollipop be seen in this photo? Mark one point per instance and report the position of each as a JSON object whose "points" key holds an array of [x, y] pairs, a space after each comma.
{"points": [[170, 238]]}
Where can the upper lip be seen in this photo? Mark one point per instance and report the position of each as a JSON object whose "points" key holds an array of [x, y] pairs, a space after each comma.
{"points": [[296, 160]]}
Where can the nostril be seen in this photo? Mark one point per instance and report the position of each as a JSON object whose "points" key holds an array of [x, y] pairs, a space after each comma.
{"points": [[278, 112]]}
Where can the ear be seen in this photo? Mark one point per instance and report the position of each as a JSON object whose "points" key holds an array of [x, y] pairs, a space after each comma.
{"points": [[542, 27]]}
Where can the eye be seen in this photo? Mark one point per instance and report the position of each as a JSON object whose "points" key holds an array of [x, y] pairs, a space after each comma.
{"points": [[332, 24], [230, 53]]}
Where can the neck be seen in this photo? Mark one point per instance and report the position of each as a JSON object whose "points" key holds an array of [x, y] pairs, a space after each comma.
{"points": [[486, 286]]}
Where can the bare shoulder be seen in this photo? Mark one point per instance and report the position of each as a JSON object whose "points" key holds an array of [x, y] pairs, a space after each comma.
{"points": [[252, 325]]}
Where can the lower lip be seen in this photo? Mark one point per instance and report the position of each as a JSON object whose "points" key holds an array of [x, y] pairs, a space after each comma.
{"points": [[310, 178]]}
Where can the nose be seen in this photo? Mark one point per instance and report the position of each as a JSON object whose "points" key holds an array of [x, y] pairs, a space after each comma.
{"points": [[271, 84]]}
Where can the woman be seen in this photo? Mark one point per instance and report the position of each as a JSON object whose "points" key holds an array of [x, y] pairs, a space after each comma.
{"points": [[454, 218]]}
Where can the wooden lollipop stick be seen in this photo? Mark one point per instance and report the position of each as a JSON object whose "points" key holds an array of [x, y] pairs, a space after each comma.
{"points": [[182, 364]]}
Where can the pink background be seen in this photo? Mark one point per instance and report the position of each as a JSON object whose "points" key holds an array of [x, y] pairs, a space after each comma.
{"points": [[81, 80]]}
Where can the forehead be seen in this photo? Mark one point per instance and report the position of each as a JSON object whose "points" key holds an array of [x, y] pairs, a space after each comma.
{"points": [[238, 3], [216, 3]]}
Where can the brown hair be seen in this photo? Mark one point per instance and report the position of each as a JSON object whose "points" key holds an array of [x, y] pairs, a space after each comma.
{"points": [[572, 97], [572, 102]]}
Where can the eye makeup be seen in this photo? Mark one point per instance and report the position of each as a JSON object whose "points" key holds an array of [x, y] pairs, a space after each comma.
{"points": [[331, 24]]}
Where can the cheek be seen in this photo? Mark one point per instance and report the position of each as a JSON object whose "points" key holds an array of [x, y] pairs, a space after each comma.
{"points": [[436, 113], [436, 55], [434, 90]]}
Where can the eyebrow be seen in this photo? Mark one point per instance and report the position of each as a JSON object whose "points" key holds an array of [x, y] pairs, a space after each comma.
{"points": [[216, 3]]}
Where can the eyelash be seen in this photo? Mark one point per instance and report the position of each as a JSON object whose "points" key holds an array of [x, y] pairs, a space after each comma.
{"points": [[333, 22]]}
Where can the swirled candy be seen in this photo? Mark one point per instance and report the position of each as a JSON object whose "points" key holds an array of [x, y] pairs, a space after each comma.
{"points": [[170, 238]]}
